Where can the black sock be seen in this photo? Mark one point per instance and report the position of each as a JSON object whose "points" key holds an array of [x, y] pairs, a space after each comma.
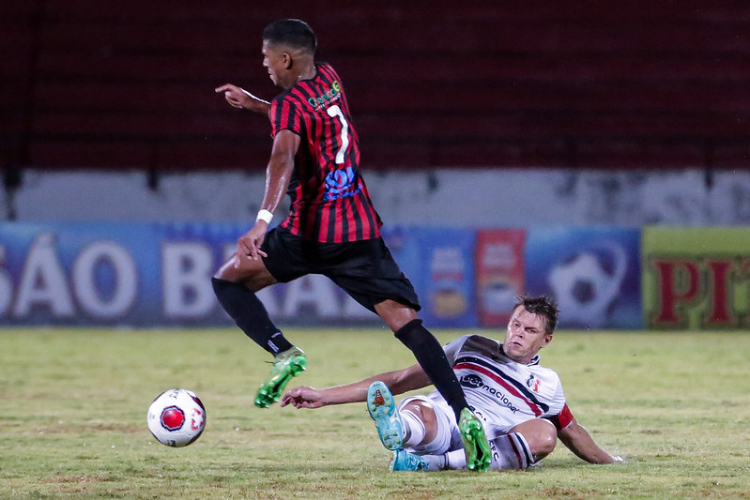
{"points": [[250, 315], [431, 358]]}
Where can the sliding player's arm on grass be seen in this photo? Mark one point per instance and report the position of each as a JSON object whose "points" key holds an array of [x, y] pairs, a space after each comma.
{"points": [[579, 441], [398, 382]]}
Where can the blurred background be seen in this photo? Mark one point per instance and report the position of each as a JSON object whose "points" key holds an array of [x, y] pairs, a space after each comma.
{"points": [[595, 151]]}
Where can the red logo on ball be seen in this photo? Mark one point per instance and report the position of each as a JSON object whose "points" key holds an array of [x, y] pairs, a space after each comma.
{"points": [[172, 418]]}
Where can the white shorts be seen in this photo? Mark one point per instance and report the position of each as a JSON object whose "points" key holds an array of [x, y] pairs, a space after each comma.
{"points": [[448, 437]]}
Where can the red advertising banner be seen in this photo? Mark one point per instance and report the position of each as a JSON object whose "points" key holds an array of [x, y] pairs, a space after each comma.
{"points": [[499, 274]]}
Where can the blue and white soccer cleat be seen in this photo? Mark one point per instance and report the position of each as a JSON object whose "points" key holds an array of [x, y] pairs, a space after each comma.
{"points": [[382, 408], [405, 461]]}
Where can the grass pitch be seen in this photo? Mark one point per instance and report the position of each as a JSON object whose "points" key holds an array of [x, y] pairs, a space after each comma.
{"points": [[73, 418]]}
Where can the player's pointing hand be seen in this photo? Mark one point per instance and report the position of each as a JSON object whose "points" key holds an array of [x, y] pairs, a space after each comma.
{"points": [[240, 98]]}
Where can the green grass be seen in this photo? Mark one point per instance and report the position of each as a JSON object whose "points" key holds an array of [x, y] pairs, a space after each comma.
{"points": [[73, 406]]}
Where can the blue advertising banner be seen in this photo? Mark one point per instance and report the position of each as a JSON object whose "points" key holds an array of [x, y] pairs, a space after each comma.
{"points": [[99, 274], [148, 275], [446, 277], [594, 273], [405, 249], [151, 275]]}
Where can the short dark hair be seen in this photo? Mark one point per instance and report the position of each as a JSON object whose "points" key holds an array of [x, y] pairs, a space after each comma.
{"points": [[292, 32], [542, 306]]}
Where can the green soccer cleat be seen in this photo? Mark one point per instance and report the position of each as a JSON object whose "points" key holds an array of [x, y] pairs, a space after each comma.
{"points": [[286, 366], [382, 409], [476, 446], [404, 461]]}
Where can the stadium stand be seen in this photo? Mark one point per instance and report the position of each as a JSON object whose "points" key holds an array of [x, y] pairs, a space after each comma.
{"points": [[636, 84]]}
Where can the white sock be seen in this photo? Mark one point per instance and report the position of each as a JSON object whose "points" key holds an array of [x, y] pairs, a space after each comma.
{"points": [[413, 429], [511, 451], [435, 462], [455, 459]]}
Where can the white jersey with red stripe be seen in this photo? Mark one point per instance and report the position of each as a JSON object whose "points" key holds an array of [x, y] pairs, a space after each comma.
{"points": [[502, 392]]}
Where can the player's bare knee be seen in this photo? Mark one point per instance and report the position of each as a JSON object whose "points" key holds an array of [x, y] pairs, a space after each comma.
{"points": [[547, 445], [228, 271], [395, 314], [252, 274], [546, 439], [421, 409], [542, 446], [540, 434], [426, 414]]}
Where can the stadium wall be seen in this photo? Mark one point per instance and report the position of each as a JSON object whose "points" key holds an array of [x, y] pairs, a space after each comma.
{"points": [[478, 197]]}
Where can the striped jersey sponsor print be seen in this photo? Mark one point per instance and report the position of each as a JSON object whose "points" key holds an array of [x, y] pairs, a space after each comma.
{"points": [[503, 392], [329, 200]]}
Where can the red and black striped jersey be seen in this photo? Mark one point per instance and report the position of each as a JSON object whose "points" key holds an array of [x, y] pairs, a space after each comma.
{"points": [[329, 200]]}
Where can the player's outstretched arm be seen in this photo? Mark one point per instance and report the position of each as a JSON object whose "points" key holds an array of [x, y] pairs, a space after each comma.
{"points": [[398, 382], [579, 441], [240, 98]]}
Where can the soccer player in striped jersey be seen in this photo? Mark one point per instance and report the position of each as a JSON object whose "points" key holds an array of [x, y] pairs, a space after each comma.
{"points": [[521, 403], [332, 228]]}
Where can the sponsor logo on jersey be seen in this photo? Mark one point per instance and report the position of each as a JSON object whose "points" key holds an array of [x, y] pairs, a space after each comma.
{"points": [[341, 184], [475, 382], [331, 95]]}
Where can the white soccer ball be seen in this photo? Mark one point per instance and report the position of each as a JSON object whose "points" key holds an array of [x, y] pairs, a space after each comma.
{"points": [[177, 417], [587, 284]]}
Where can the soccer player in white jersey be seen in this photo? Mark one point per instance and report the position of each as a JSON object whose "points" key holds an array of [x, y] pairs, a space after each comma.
{"points": [[521, 403]]}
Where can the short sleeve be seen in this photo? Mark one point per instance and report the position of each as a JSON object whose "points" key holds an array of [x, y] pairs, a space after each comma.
{"points": [[285, 115], [562, 419]]}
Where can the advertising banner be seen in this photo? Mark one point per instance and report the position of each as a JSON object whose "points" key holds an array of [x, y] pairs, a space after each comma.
{"points": [[159, 274], [142, 275], [446, 284], [592, 272], [86, 274], [403, 244], [696, 278], [499, 274]]}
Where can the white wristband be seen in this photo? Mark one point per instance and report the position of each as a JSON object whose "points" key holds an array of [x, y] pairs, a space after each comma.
{"points": [[265, 216]]}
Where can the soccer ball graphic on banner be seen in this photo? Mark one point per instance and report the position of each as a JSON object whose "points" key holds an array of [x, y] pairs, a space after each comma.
{"points": [[177, 417], [586, 285]]}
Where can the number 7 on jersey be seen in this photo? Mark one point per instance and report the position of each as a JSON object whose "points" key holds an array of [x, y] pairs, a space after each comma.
{"points": [[335, 112]]}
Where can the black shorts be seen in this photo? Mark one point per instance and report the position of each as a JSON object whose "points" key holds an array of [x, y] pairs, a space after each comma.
{"points": [[364, 269]]}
